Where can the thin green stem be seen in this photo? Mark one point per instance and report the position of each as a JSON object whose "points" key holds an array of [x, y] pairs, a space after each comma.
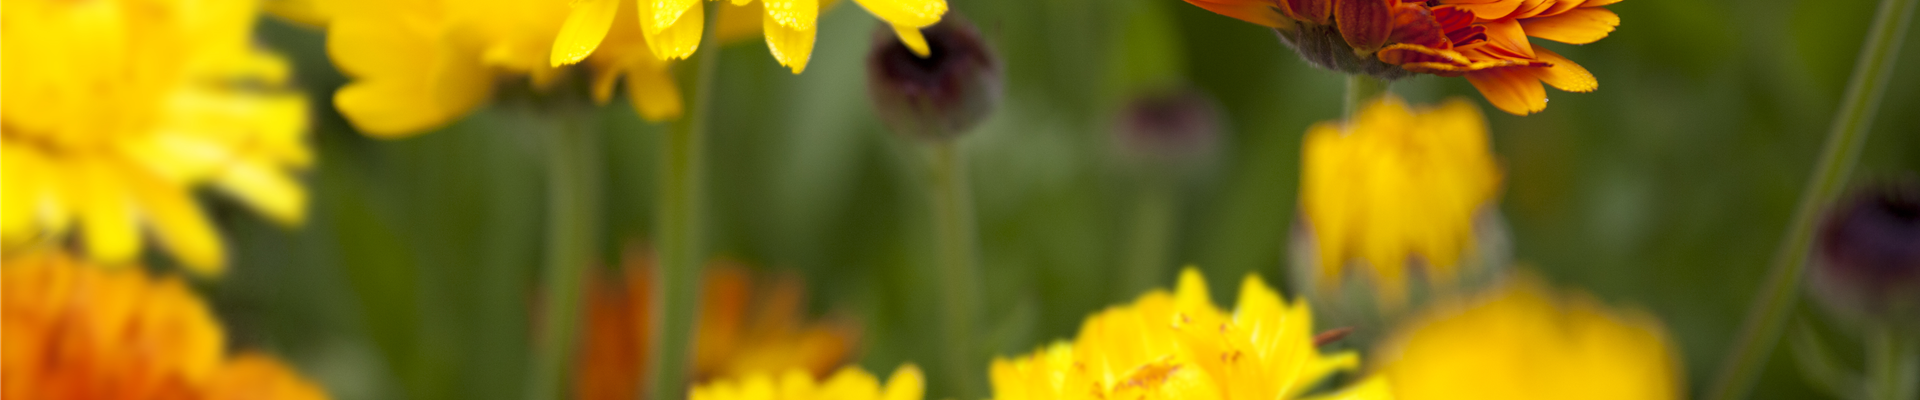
{"points": [[1360, 90], [959, 285], [676, 301], [1893, 363], [570, 231], [1767, 315], [1153, 223]]}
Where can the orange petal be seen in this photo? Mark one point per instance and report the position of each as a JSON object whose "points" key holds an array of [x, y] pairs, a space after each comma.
{"points": [[1509, 36], [1489, 10], [1365, 23], [1597, 3], [1257, 12], [1564, 74], [1513, 90], [1576, 26], [1315, 11]]}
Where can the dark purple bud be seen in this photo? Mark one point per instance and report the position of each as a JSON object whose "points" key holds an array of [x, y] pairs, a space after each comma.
{"points": [[1867, 254], [940, 96], [1169, 125]]}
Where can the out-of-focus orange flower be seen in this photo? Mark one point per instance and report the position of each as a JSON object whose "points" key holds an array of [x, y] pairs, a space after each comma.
{"points": [[746, 326], [77, 331], [1484, 40]]}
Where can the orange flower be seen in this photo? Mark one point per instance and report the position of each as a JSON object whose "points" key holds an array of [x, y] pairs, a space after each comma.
{"points": [[1483, 40], [76, 331], [745, 327]]}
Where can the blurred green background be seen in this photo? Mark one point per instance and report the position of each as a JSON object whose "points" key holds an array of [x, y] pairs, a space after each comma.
{"points": [[1668, 189]]}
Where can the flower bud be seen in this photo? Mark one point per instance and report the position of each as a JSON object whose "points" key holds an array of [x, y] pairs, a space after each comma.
{"points": [[1169, 125], [1867, 253], [940, 96]]}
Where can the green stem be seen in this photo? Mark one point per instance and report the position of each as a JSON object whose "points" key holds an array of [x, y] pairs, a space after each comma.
{"points": [[959, 285], [1767, 315], [1154, 219], [676, 291], [1360, 90], [570, 232], [1893, 363]]}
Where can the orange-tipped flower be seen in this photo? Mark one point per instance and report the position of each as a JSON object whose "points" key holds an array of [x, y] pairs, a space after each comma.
{"points": [[746, 326], [1483, 40], [79, 331]]}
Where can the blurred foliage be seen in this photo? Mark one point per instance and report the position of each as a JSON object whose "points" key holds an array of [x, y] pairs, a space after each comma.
{"points": [[1667, 189]]}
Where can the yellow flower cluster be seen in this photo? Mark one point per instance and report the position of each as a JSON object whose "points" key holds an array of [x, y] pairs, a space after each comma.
{"points": [[672, 28], [1180, 346], [77, 331], [117, 110], [850, 383], [1523, 341], [1393, 191]]}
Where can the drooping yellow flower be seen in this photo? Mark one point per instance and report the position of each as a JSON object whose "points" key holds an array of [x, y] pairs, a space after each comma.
{"points": [[850, 383], [1180, 346], [420, 64], [745, 327], [1523, 341], [77, 331], [117, 110], [671, 29], [1395, 191]]}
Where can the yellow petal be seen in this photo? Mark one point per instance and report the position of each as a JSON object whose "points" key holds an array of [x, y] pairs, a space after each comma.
{"points": [[680, 37], [789, 27], [268, 191], [906, 384], [364, 47], [913, 13], [653, 93], [389, 108], [106, 214], [1576, 26], [586, 26], [1191, 292], [180, 225], [913, 39], [1564, 74]]}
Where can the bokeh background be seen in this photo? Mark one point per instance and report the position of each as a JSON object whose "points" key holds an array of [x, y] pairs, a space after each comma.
{"points": [[1668, 189]]}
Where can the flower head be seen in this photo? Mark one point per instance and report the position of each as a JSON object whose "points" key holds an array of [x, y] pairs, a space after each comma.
{"points": [[117, 110], [420, 64], [1522, 341], [1484, 40], [77, 331], [1867, 253], [1180, 346], [849, 383], [671, 29], [745, 327], [1393, 192], [936, 96]]}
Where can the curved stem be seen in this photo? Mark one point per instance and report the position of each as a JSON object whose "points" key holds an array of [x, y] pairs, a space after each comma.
{"points": [[1767, 315], [570, 231], [1360, 90], [1893, 363], [676, 291], [959, 285]]}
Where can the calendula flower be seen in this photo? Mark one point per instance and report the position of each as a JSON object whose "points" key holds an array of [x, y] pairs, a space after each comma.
{"points": [[118, 110], [745, 327], [1484, 40], [1180, 346], [420, 64], [1394, 193], [671, 29], [79, 331], [1523, 341], [849, 383]]}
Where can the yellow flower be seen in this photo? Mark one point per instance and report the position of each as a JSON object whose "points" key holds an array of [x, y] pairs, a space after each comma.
{"points": [[1524, 342], [1180, 346], [671, 29], [745, 327], [850, 383], [1393, 190], [117, 110], [77, 331], [420, 64]]}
